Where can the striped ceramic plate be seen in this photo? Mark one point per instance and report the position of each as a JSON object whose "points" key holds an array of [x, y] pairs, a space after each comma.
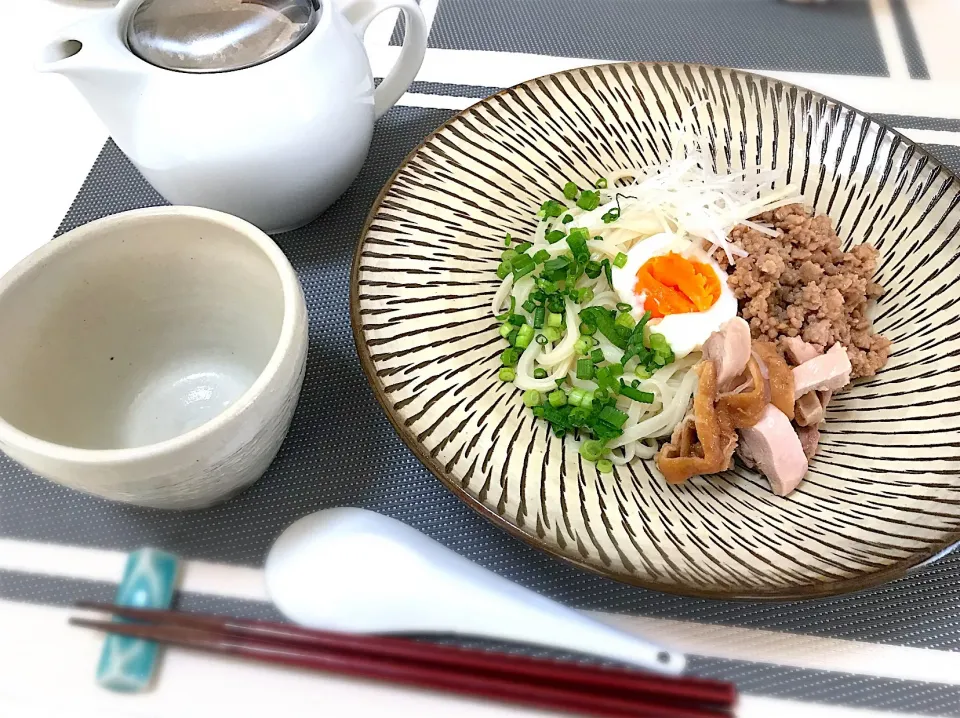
{"points": [[883, 494]]}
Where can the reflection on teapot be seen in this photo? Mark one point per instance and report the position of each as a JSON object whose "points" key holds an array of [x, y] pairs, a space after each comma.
{"points": [[260, 108]]}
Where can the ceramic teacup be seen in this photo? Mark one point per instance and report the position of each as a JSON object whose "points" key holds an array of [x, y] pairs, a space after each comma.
{"points": [[153, 357]]}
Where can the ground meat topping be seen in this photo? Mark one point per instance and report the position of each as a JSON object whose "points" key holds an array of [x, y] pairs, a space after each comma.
{"points": [[801, 284]]}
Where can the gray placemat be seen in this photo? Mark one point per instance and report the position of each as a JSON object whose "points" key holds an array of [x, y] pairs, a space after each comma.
{"points": [[341, 451]]}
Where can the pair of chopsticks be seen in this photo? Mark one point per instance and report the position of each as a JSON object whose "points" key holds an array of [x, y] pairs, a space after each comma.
{"points": [[558, 685]]}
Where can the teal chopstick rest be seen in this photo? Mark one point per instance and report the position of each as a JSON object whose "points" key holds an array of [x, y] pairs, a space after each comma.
{"points": [[127, 665]]}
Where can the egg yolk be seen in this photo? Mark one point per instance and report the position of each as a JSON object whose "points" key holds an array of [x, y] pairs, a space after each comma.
{"points": [[674, 284]]}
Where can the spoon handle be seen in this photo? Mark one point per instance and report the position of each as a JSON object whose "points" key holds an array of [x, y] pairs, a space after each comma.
{"points": [[515, 613]]}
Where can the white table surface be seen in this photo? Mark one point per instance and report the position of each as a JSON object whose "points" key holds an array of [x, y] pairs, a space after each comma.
{"points": [[48, 143]]}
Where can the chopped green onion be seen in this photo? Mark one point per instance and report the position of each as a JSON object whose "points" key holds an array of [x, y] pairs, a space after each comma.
{"points": [[576, 396], [605, 466], [658, 342], [532, 397], [505, 329], [587, 329], [614, 416], [643, 373], [552, 334], [620, 260], [556, 263], [519, 272], [554, 303], [644, 397], [582, 347], [596, 355], [523, 247], [603, 430], [557, 398], [554, 319], [624, 307], [540, 372], [542, 341], [625, 320], [522, 266], [600, 395], [506, 240], [546, 286], [517, 320], [538, 295], [541, 256], [611, 215], [529, 305], [513, 306], [592, 450], [567, 219], [577, 241], [586, 295], [616, 370], [588, 200], [555, 235], [539, 313], [509, 357], [503, 269], [584, 369], [593, 269], [512, 336], [607, 271], [508, 255], [601, 318], [570, 190], [550, 208], [507, 374], [604, 378], [524, 337], [601, 183]]}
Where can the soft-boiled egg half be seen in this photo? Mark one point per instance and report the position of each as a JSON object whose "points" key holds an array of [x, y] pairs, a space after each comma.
{"points": [[684, 290]]}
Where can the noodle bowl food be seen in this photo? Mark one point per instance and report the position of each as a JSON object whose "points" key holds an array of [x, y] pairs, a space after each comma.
{"points": [[729, 303], [624, 329]]}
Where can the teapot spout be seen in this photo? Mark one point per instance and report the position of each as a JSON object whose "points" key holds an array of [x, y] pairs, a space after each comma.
{"points": [[93, 56], [91, 45], [53, 57]]}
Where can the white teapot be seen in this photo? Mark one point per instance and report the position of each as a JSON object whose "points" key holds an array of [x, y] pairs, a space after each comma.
{"points": [[260, 108]]}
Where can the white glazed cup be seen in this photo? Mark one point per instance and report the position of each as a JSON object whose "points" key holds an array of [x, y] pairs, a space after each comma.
{"points": [[153, 357]]}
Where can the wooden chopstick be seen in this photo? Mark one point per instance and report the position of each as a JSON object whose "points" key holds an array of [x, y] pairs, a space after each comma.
{"points": [[203, 635], [621, 683], [439, 678]]}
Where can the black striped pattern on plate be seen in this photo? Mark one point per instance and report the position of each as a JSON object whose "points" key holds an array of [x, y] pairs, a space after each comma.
{"points": [[883, 493]]}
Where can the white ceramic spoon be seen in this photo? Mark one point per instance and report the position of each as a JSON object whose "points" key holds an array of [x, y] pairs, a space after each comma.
{"points": [[354, 570]]}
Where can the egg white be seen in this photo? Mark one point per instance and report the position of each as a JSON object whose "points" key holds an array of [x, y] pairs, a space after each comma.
{"points": [[684, 332]]}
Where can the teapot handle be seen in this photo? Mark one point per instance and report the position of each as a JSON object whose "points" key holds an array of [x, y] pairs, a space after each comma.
{"points": [[360, 13]]}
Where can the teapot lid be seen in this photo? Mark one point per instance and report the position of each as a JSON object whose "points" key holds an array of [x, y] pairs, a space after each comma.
{"points": [[218, 35]]}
